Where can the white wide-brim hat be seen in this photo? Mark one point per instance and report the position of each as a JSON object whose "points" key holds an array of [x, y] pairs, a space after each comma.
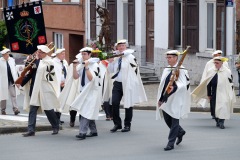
{"points": [[122, 41], [43, 48], [216, 52], [6, 50], [172, 52], [220, 58], [57, 52], [86, 49]]}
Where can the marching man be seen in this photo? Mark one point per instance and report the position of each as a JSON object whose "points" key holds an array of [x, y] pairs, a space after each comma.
{"points": [[42, 90], [88, 102], [61, 67], [127, 85], [217, 87], [177, 104], [7, 78]]}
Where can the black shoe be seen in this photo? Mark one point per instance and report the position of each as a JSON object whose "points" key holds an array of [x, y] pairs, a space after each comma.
{"points": [[81, 136], [180, 137], [221, 126], [115, 128], [4, 113], [126, 129], [28, 134], [16, 112], [61, 122], [217, 124], [55, 131], [168, 148], [91, 134], [71, 124]]}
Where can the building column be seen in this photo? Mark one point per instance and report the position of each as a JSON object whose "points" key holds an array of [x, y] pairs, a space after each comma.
{"points": [[140, 30], [230, 30]]}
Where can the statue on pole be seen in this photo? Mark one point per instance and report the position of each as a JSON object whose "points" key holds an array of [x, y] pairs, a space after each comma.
{"points": [[105, 29]]}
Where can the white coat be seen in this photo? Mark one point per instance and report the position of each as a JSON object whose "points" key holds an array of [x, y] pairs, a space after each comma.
{"points": [[225, 97], [133, 90], [45, 89], [69, 92], [106, 83], [4, 77], [88, 102], [178, 103], [58, 69]]}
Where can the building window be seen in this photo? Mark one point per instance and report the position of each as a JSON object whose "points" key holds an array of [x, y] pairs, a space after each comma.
{"points": [[210, 25], [75, 1], [125, 20], [177, 23], [57, 0], [58, 40]]}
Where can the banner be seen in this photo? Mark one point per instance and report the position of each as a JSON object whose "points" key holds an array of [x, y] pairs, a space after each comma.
{"points": [[25, 26]]}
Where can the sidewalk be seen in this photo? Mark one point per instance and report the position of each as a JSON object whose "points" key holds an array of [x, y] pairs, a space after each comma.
{"points": [[13, 126]]}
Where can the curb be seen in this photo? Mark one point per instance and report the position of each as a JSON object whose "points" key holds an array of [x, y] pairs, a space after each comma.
{"points": [[15, 129], [193, 109]]}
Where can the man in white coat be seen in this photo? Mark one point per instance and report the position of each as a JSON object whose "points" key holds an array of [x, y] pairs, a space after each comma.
{"points": [[61, 67], [176, 104], [209, 65], [7, 78], [88, 102], [218, 88], [127, 85], [42, 91]]}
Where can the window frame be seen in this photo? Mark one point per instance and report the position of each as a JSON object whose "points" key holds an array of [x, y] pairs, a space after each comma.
{"points": [[214, 24], [178, 46], [58, 40]]}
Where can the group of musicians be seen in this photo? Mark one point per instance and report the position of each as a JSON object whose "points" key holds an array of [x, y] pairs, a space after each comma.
{"points": [[53, 86]]}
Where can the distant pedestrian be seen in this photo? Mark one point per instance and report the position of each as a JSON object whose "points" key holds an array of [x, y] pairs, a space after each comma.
{"points": [[8, 76], [176, 104], [218, 88]]}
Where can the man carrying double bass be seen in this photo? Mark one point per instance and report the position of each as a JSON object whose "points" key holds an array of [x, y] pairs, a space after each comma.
{"points": [[40, 92], [174, 97]]}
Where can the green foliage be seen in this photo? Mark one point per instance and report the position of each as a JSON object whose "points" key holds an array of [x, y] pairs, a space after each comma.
{"points": [[3, 34]]}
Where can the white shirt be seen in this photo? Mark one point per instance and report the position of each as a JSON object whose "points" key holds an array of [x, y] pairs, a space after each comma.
{"points": [[113, 67]]}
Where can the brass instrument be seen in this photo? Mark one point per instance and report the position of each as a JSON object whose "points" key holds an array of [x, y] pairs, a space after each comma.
{"points": [[29, 68], [175, 74]]}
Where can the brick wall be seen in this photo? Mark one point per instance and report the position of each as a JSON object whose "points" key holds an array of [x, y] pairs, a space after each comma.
{"points": [[237, 10]]}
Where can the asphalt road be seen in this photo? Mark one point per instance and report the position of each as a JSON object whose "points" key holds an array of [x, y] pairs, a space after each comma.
{"points": [[145, 141]]}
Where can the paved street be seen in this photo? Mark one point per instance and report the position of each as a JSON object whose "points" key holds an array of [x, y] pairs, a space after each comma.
{"points": [[146, 140]]}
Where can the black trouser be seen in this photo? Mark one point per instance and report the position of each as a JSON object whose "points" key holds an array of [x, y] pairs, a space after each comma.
{"points": [[117, 94], [175, 128], [51, 116], [213, 105], [58, 114], [73, 115], [108, 109]]}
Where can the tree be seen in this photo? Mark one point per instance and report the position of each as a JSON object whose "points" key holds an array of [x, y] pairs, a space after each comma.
{"points": [[3, 34]]}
